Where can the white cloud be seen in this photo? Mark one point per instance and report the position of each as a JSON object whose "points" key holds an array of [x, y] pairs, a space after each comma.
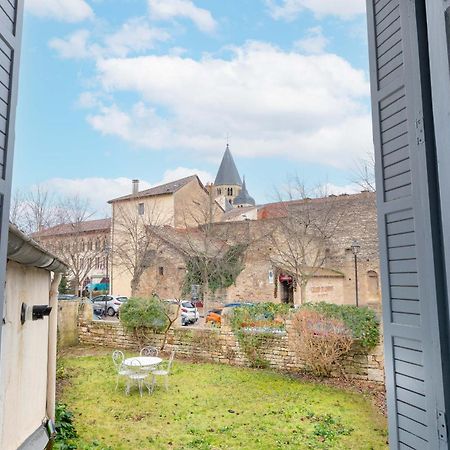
{"points": [[135, 36], [98, 191], [182, 172], [314, 42], [171, 9], [334, 189], [290, 9], [63, 10], [308, 107], [74, 46]]}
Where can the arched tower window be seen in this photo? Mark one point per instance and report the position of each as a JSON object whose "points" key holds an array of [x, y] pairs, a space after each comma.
{"points": [[372, 283], [230, 192]]}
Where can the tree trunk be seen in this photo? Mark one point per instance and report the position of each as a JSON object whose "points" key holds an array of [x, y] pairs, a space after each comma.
{"points": [[134, 286], [303, 292]]}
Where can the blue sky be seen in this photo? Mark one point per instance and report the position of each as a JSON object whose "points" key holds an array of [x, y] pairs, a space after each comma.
{"points": [[115, 90]]}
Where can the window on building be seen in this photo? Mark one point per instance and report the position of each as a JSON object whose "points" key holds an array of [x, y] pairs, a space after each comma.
{"points": [[141, 209], [161, 271], [97, 262], [219, 191], [89, 245], [97, 244], [372, 283], [230, 191]]}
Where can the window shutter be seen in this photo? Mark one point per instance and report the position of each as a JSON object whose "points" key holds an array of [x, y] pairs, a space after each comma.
{"points": [[11, 12], [409, 226]]}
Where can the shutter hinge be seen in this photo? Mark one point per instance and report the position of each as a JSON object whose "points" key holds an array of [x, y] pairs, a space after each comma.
{"points": [[442, 426], [420, 135]]}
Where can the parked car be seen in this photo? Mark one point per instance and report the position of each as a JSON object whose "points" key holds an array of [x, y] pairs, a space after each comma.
{"points": [[214, 317], [189, 312], [113, 304], [68, 297]]}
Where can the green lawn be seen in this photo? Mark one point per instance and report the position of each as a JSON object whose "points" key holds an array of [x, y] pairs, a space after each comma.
{"points": [[217, 407]]}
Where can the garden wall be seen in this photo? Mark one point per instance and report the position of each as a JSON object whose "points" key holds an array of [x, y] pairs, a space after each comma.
{"points": [[221, 346]]}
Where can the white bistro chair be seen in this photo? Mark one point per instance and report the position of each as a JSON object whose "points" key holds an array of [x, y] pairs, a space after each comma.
{"points": [[122, 371], [136, 375], [149, 351], [163, 370]]}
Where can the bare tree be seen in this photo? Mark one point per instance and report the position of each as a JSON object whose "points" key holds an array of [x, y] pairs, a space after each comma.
{"points": [[70, 242], [364, 173], [215, 252], [34, 211], [300, 243], [136, 244]]}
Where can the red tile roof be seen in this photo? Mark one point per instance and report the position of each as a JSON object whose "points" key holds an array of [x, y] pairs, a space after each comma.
{"points": [[67, 228]]}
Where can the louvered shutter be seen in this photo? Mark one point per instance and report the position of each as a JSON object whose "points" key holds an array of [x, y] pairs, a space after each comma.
{"points": [[11, 12], [409, 227]]}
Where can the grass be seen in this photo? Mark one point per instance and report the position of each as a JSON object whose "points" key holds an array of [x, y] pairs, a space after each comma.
{"points": [[216, 407]]}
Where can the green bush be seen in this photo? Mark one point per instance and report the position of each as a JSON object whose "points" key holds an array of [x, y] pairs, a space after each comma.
{"points": [[264, 318], [362, 322], [66, 434], [144, 314], [267, 314]]}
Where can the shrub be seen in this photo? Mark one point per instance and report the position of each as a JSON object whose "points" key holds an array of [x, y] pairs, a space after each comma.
{"points": [[321, 342], [147, 314], [362, 322], [66, 433], [144, 316], [254, 325]]}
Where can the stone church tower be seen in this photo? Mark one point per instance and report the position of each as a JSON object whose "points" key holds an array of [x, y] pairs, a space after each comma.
{"points": [[229, 190]]}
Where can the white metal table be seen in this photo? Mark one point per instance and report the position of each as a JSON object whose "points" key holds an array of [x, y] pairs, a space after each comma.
{"points": [[144, 361], [140, 367]]}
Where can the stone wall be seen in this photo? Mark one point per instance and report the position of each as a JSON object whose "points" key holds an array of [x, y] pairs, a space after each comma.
{"points": [[221, 346]]}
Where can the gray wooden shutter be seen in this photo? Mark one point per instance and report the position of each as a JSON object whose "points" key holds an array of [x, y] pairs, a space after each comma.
{"points": [[11, 12], [409, 223]]}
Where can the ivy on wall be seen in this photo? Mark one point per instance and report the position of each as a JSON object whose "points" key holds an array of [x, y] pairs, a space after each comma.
{"points": [[220, 271]]}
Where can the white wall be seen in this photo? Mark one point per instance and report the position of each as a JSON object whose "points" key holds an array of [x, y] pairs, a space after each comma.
{"points": [[23, 376]]}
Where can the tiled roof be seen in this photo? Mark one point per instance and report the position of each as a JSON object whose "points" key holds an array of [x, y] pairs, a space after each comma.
{"points": [[162, 189], [280, 209], [244, 197], [228, 173], [83, 227]]}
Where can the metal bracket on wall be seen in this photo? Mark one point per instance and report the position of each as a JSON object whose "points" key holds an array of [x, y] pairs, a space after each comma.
{"points": [[442, 426], [420, 135]]}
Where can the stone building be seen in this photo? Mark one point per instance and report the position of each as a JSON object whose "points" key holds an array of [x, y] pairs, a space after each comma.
{"points": [[228, 188], [179, 204], [266, 277], [84, 247]]}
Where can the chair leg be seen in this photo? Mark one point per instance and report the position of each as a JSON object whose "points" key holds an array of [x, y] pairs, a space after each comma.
{"points": [[140, 386], [117, 382], [153, 383], [166, 382], [127, 388]]}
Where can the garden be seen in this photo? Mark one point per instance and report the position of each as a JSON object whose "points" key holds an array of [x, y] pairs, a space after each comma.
{"points": [[209, 406]]}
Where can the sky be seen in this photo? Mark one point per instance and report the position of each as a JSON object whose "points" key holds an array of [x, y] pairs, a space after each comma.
{"points": [[152, 89]]}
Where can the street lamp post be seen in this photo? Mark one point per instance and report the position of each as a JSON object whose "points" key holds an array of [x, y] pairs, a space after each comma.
{"points": [[107, 251], [355, 250]]}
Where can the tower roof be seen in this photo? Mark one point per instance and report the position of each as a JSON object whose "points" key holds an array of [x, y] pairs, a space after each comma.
{"points": [[228, 173], [244, 197]]}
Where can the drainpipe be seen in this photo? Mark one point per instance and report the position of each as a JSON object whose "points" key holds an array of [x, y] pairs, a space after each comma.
{"points": [[52, 337]]}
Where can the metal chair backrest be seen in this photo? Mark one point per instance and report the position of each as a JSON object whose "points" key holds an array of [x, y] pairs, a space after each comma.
{"points": [[118, 358], [169, 365], [149, 351], [135, 366]]}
